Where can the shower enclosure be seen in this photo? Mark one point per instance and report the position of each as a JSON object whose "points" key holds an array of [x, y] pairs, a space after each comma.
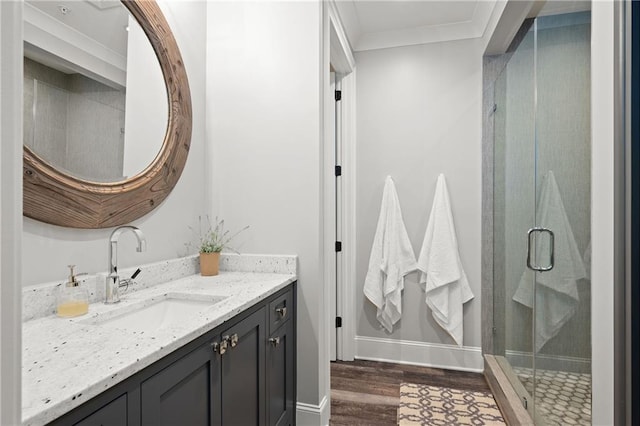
{"points": [[541, 218]]}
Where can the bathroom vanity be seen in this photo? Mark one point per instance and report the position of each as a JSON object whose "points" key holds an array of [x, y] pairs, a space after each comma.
{"points": [[192, 351]]}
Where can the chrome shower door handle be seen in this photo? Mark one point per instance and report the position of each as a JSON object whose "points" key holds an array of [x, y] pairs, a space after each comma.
{"points": [[551, 247]]}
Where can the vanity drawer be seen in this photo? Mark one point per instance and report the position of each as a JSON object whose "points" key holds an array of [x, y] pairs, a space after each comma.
{"points": [[280, 310]]}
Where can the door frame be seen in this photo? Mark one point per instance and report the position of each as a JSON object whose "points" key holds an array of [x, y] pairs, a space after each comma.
{"points": [[11, 212], [340, 58], [627, 211]]}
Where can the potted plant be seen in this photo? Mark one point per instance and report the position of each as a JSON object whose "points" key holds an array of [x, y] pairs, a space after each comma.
{"points": [[212, 242]]}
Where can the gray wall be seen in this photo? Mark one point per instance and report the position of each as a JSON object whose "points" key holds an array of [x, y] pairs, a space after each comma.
{"points": [[419, 115]]}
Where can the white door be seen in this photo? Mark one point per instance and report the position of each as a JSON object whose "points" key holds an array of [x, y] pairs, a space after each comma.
{"points": [[336, 291], [333, 285], [339, 216]]}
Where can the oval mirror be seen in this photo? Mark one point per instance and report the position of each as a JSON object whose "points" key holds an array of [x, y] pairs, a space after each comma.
{"points": [[101, 145], [95, 105]]}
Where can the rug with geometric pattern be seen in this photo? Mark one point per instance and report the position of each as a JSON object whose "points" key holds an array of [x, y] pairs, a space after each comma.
{"points": [[433, 405]]}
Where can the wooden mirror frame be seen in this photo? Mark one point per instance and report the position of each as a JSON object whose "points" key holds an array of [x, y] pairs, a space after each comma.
{"points": [[55, 197]]}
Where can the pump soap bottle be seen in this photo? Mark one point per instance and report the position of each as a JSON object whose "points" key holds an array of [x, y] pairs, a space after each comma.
{"points": [[72, 300]]}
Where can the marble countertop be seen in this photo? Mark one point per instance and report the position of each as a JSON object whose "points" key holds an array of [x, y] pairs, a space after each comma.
{"points": [[66, 362]]}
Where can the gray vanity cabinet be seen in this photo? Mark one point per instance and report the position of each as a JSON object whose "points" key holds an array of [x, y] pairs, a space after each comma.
{"points": [[241, 378], [280, 357], [112, 414], [182, 392], [220, 383], [241, 373], [280, 352]]}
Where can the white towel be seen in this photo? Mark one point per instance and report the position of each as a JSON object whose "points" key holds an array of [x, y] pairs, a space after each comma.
{"points": [[557, 293], [443, 277], [391, 259]]}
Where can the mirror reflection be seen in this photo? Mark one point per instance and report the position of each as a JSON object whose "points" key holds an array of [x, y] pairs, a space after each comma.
{"points": [[94, 107]]}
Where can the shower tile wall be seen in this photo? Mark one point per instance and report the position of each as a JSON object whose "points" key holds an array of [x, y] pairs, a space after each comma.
{"points": [[563, 135], [103, 108], [53, 146], [80, 122]]}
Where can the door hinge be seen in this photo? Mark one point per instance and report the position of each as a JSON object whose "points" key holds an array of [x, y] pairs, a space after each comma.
{"points": [[338, 322], [338, 96], [338, 246], [338, 171]]}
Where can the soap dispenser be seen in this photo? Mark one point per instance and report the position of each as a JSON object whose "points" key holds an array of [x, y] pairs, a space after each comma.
{"points": [[72, 299]]}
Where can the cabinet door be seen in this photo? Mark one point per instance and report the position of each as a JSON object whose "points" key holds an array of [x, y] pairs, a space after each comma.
{"points": [[182, 393], [112, 414], [280, 372], [242, 374]]}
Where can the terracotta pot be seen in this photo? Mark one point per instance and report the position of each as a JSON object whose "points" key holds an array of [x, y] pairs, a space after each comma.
{"points": [[209, 264]]}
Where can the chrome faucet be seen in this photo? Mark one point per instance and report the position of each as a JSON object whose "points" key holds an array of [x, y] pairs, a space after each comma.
{"points": [[112, 290]]}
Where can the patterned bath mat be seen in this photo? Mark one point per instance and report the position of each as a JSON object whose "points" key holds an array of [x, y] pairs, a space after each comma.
{"points": [[432, 405]]}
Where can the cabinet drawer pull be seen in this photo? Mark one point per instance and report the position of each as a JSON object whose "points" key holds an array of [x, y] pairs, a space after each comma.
{"points": [[219, 348], [282, 311], [224, 345], [233, 340], [275, 341]]}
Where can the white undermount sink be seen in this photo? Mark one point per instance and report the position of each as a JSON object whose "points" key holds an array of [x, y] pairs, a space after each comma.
{"points": [[156, 313]]}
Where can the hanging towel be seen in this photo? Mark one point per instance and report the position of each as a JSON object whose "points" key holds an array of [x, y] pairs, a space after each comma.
{"points": [[391, 259], [442, 275], [557, 291]]}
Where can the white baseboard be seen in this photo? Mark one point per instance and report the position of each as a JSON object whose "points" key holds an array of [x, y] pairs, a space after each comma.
{"points": [[419, 353], [313, 415]]}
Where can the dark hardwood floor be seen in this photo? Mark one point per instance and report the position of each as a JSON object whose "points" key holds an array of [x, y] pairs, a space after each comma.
{"points": [[368, 392]]}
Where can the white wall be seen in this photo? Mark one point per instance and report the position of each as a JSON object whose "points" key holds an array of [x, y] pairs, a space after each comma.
{"points": [[419, 115], [47, 249], [147, 104], [264, 126], [602, 211]]}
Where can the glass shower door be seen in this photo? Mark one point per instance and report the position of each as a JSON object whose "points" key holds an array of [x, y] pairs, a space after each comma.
{"points": [[562, 303], [514, 213], [542, 175]]}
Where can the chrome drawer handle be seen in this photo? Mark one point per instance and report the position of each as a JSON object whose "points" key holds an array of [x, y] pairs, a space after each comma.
{"points": [[282, 311], [234, 340], [219, 348], [224, 345], [275, 341]]}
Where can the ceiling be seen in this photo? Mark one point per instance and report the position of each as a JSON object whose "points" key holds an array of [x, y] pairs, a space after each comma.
{"points": [[565, 6], [381, 24], [79, 36], [103, 21]]}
